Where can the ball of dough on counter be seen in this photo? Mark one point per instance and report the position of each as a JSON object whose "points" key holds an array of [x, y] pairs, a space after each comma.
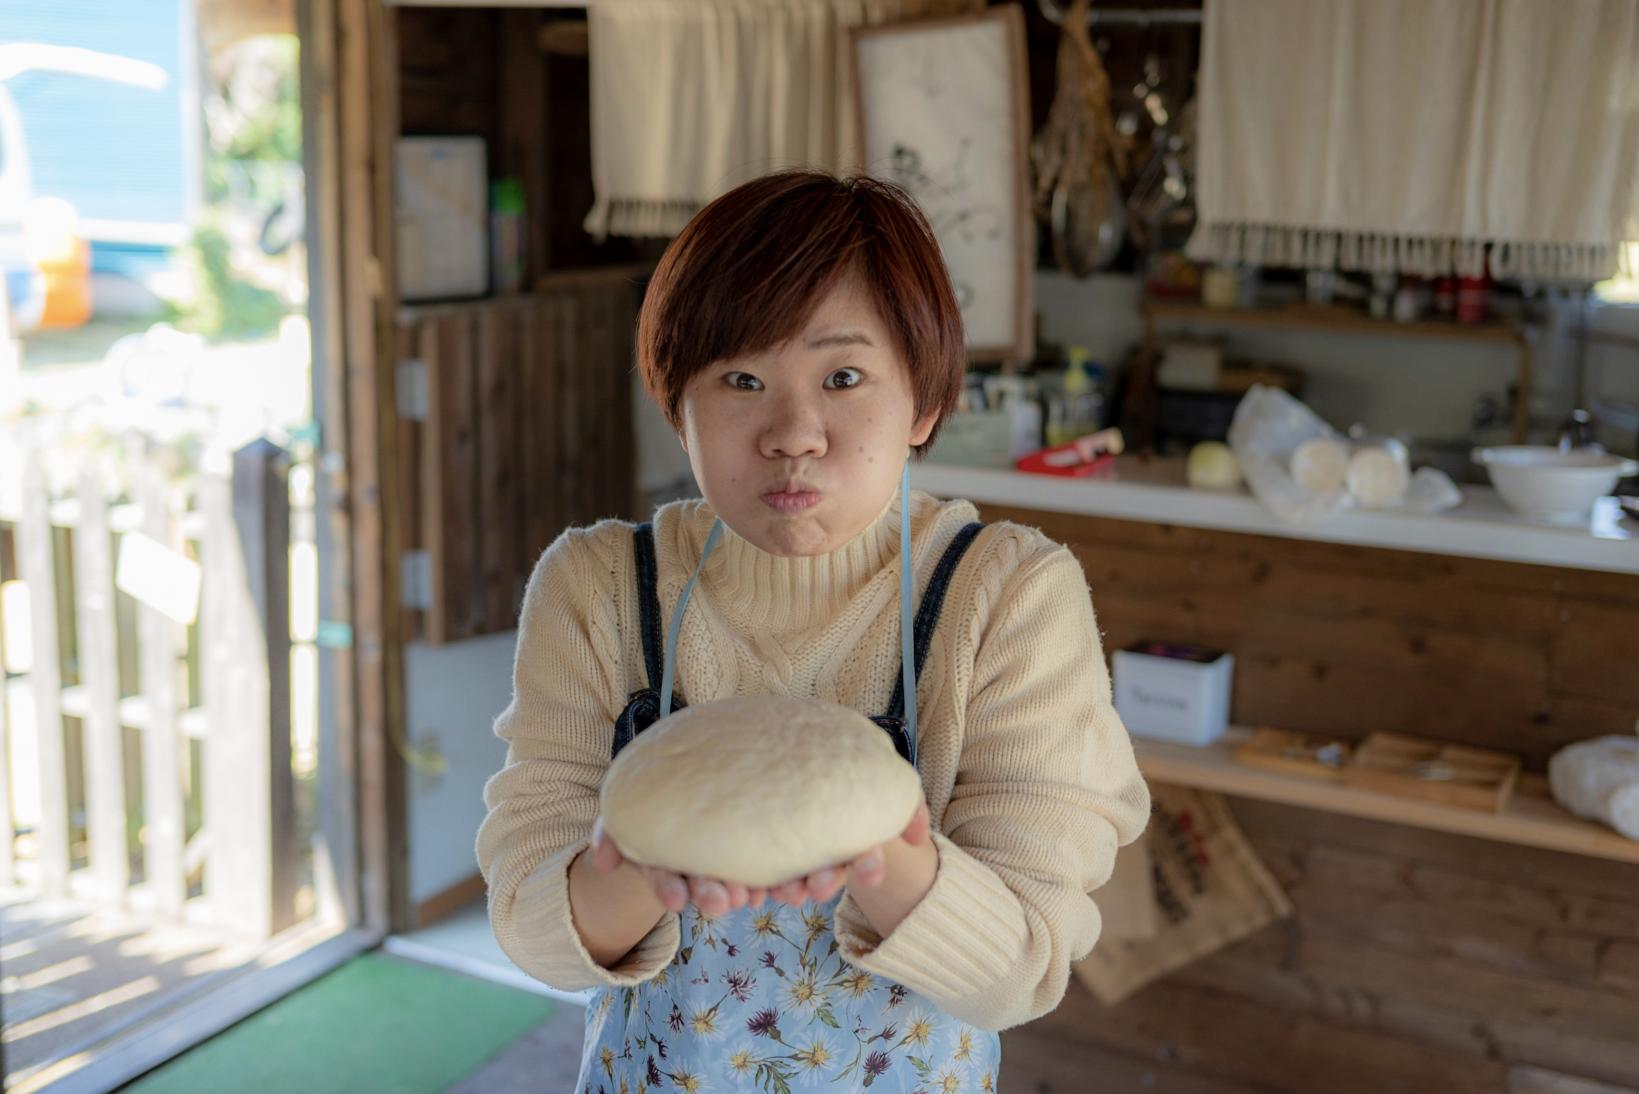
{"points": [[1320, 464], [1377, 478], [757, 789], [1212, 466]]}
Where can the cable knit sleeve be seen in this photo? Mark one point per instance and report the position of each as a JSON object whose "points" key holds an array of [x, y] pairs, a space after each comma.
{"points": [[558, 729], [1047, 789]]}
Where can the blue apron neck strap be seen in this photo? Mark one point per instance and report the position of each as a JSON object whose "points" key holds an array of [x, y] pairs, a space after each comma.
{"points": [[669, 675], [907, 646], [907, 649]]}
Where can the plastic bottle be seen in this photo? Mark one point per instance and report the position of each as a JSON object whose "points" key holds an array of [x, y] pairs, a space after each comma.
{"points": [[1081, 410], [506, 218]]}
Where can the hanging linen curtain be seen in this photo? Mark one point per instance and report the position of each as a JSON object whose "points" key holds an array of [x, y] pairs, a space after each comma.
{"points": [[691, 97], [1411, 135]]}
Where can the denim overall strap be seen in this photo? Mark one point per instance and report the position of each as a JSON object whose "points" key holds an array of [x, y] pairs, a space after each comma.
{"points": [[648, 592], [907, 585], [643, 706], [895, 721]]}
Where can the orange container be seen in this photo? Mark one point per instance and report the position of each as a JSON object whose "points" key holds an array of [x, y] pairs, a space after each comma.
{"points": [[68, 288]]}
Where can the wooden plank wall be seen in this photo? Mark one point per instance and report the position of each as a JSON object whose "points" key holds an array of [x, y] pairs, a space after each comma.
{"points": [[527, 430], [1347, 640], [1415, 961]]}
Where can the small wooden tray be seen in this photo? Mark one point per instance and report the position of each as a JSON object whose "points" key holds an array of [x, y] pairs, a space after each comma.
{"points": [[1412, 767], [1295, 754]]}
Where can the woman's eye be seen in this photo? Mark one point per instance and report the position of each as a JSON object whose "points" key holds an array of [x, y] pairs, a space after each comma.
{"points": [[743, 381], [845, 378]]}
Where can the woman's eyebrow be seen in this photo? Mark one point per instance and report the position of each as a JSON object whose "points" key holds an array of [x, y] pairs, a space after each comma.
{"points": [[839, 338]]}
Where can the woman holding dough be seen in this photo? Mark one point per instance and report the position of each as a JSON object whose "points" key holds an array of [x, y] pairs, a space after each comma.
{"points": [[802, 337]]}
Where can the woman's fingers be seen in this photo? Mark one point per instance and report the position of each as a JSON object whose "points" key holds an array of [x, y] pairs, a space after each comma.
{"points": [[736, 895], [868, 868], [792, 892], [917, 830], [710, 895], [825, 883], [605, 855], [669, 888], [756, 895]]}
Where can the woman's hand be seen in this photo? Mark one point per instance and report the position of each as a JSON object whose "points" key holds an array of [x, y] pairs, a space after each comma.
{"points": [[713, 896], [866, 871], [869, 869], [716, 897]]}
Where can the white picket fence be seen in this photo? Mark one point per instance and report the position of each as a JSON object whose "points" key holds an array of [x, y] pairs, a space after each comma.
{"points": [[156, 663]]}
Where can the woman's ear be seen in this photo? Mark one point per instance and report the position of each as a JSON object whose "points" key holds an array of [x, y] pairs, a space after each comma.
{"points": [[923, 427]]}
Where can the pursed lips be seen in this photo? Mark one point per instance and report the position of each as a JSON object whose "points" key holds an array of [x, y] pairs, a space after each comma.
{"points": [[791, 497]]}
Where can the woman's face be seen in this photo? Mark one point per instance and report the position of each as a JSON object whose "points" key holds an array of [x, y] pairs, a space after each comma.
{"points": [[800, 447]]}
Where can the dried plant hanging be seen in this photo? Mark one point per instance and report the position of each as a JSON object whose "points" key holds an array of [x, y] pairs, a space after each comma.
{"points": [[1078, 159]]}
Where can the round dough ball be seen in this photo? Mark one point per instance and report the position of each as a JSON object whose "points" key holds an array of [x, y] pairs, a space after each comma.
{"points": [[757, 789], [1212, 466], [1377, 477], [1319, 465]]}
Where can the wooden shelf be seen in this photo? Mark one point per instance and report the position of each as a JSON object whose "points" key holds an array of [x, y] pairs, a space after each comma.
{"points": [[1332, 320], [1531, 817]]}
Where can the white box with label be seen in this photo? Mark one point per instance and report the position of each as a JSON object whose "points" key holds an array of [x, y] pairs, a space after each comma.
{"points": [[1173, 693]]}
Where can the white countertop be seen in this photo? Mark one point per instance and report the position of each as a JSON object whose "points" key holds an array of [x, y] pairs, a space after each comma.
{"points": [[1154, 490]]}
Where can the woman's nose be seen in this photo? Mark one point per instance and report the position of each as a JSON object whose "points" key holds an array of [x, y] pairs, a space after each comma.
{"points": [[795, 428]]}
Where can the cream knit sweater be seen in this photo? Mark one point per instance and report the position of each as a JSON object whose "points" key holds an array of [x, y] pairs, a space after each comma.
{"points": [[1029, 773]]}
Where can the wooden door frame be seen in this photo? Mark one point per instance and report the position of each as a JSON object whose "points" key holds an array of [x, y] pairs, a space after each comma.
{"points": [[350, 111]]}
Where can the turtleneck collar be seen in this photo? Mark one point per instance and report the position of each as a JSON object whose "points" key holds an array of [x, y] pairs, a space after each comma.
{"points": [[781, 594]]}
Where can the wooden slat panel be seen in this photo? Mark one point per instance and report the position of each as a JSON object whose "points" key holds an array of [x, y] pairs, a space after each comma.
{"points": [[628, 300], [458, 473], [533, 434], [1538, 1020], [551, 397], [37, 564], [1594, 893], [1265, 569], [1207, 1032], [523, 151], [447, 77], [163, 785], [498, 511], [573, 424], [604, 361], [99, 676], [1536, 1080], [1516, 944], [410, 441], [1042, 1059], [1596, 651], [250, 873], [434, 520], [591, 359]]}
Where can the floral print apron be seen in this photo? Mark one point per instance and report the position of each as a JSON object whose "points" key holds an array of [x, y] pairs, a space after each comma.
{"points": [[760, 999]]}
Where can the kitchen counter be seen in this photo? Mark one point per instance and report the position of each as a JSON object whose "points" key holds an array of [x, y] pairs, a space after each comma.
{"points": [[1154, 490]]}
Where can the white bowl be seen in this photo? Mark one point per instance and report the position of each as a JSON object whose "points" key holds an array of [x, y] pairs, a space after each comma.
{"points": [[1549, 484]]}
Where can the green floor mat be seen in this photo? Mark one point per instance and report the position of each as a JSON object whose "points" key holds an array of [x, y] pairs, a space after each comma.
{"points": [[377, 1025]]}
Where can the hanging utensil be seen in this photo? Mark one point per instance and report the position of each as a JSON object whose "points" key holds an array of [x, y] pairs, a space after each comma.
{"points": [[1079, 158]]}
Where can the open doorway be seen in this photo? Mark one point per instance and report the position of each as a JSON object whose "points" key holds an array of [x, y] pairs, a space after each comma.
{"points": [[178, 836]]}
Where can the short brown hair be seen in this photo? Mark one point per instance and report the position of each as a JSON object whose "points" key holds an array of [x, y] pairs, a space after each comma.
{"points": [[748, 271]]}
